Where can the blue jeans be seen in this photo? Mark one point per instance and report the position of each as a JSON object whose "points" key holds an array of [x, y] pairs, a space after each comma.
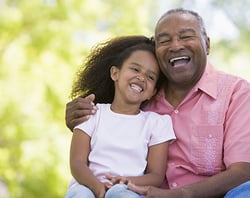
{"points": [[79, 191], [118, 190], [121, 191], [241, 191]]}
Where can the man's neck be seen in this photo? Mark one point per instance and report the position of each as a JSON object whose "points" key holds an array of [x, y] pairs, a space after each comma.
{"points": [[175, 95]]}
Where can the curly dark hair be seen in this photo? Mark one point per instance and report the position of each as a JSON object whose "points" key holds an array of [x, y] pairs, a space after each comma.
{"points": [[94, 75]]}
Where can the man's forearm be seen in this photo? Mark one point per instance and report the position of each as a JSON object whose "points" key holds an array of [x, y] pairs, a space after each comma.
{"points": [[218, 185]]}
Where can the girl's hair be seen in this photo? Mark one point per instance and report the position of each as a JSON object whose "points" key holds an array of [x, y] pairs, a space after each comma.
{"points": [[94, 75]]}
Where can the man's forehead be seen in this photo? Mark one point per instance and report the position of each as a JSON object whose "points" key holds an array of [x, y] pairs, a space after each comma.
{"points": [[181, 21], [177, 16]]}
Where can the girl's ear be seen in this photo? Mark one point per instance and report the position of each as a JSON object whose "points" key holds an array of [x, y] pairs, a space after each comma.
{"points": [[114, 73]]}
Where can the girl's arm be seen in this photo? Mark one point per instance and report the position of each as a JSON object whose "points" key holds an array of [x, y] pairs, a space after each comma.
{"points": [[79, 152], [156, 166]]}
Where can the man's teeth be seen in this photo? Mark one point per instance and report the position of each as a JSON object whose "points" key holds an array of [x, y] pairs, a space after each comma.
{"points": [[136, 87], [178, 58]]}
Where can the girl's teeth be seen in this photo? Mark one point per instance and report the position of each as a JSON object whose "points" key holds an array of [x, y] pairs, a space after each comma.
{"points": [[135, 87]]}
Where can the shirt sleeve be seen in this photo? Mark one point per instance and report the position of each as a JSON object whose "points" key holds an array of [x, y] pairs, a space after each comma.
{"points": [[88, 126], [237, 126], [162, 129]]}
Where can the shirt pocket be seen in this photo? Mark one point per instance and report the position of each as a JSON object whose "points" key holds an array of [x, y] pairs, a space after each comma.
{"points": [[207, 149]]}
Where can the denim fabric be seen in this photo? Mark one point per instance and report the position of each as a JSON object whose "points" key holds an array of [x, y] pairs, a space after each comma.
{"points": [[121, 191], [241, 191], [79, 191]]}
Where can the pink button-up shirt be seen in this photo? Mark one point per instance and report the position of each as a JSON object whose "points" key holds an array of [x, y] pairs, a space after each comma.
{"points": [[212, 127]]}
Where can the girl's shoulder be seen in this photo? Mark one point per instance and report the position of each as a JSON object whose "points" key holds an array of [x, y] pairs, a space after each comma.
{"points": [[155, 116]]}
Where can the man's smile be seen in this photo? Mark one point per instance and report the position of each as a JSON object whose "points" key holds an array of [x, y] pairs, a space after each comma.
{"points": [[179, 61]]}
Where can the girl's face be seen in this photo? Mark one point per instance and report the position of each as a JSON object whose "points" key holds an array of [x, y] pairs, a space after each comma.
{"points": [[136, 79]]}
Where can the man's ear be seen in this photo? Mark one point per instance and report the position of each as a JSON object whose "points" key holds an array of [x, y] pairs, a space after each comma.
{"points": [[114, 73], [208, 45]]}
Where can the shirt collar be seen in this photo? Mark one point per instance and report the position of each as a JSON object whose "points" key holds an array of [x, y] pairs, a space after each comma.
{"points": [[208, 82]]}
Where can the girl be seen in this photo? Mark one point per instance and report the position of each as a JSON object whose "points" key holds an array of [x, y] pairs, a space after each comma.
{"points": [[120, 144]]}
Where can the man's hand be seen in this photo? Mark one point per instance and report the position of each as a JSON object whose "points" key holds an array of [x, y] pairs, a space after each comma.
{"points": [[142, 190], [79, 110], [154, 192]]}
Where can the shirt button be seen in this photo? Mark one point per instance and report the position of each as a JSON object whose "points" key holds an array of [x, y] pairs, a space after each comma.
{"points": [[210, 135], [174, 184], [176, 111]]}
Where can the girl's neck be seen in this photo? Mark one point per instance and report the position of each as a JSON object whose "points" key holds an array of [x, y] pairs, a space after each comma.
{"points": [[129, 109]]}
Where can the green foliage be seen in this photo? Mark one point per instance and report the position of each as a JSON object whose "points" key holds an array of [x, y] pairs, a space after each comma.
{"points": [[232, 55], [41, 45]]}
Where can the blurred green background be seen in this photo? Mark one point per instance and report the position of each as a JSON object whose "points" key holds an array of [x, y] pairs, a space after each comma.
{"points": [[43, 42]]}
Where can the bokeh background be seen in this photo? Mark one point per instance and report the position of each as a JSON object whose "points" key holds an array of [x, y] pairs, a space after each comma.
{"points": [[42, 44]]}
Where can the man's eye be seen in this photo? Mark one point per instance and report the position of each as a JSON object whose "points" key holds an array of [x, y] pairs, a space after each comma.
{"points": [[135, 69], [186, 37], [164, 41]]}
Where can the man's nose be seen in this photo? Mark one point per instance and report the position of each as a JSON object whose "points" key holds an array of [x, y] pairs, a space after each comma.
{"points": [[176, 44]]}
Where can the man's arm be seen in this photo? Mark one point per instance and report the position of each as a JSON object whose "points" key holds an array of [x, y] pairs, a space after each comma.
{"points": [[214, 186], [218, 185], [78, 110]]}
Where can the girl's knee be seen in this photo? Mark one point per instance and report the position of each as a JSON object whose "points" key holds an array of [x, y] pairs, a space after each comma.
{"points": [[79, 191]]}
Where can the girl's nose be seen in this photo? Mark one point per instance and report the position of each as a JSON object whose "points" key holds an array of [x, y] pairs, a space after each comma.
{"points": [[140, 77]]}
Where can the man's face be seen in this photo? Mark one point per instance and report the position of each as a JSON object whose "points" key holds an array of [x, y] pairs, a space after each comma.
{"points": [[181, 49]]}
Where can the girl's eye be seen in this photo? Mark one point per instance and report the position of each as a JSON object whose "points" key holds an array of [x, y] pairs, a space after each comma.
{"points": [[151, 77]]}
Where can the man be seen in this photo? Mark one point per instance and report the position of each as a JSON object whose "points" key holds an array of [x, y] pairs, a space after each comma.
{"points": [[209, 109]]}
